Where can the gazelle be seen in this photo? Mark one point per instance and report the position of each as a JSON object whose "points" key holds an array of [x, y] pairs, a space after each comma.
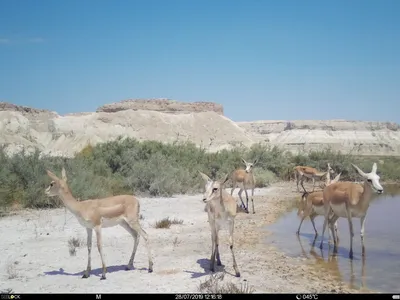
{"points": [[351, 200], [221, 208], [312, 205], [301, 172], [244, 178], [94, 214]]}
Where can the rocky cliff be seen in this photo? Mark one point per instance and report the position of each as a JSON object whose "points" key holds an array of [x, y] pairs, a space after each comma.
{"points": [[365, 138], [162, 105], [201, 122]]}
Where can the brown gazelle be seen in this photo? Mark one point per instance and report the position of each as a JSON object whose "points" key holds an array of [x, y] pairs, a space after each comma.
{"points": [[301, 172], [312, 205], [94, 214], [351, 200], [244, 178], [221, 208]]}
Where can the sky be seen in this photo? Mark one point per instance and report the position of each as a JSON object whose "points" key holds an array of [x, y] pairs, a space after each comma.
{"points": [[260, 59]]}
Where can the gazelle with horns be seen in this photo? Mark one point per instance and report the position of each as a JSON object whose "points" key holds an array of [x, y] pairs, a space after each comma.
{"points": [[312, 205], [221, 208], [244, 178], [351, 200], [94, 214], [300, 172]]}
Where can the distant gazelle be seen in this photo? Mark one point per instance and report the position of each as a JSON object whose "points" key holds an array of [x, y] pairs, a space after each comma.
{"points": [[303, 171], [94, 214], [312, 205], [244, 178], [221, 208], [351, 200]]}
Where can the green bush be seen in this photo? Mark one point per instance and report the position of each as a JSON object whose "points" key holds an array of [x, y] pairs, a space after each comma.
{"points": [[127, 166]]}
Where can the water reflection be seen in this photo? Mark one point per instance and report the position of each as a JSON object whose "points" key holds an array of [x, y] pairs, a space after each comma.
{"points": [[378, 270], [332, 263]]}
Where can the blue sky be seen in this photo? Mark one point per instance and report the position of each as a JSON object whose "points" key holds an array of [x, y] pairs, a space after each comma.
{"points": [[261, 59]]}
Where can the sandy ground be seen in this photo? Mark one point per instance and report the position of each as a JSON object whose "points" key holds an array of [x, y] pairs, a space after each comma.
{"points": [[34, 251]]}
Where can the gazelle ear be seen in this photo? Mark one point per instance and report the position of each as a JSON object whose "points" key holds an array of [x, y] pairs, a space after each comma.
{"points": [[245, 162], [255, 161], [52, 175], [63, 174], [204, 176], [374, 168], [359, 170], [336, 179]]}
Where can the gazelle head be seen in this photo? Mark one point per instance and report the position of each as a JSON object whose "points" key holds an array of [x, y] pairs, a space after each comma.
{"points": [[249, 166], [57, 185], [213, 188], [372, 178]]}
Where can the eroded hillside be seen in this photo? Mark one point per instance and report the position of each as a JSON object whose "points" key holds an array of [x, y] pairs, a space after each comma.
{"points": [[201, 122]]}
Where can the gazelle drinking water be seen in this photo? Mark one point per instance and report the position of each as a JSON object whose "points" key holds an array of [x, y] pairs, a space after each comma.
{"points": [[312, 205]]}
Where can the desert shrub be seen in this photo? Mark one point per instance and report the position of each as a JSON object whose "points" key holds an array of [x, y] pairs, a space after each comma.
{"points": [[127, 166], [215, 285], [167, 222]]}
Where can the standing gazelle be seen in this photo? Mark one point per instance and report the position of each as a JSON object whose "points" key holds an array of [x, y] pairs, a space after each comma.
{"points": [[351, 200], [245, 179], [94, 214], [312, 205], [221, 208], [301, 172]]}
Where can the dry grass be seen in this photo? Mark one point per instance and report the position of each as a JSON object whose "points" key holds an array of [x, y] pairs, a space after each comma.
{"points": [[167, 222], [73, 244], [12, 270], [176, 241], [214, 285], [7, 291]]}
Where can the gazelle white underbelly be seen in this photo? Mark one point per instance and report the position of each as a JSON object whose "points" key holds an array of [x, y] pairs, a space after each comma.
{"points": [[340, 211], [319, 210], [110, 222], [104, 222], [222, 223], [310, 176]]}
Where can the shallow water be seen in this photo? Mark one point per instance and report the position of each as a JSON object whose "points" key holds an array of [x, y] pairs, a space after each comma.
{"points": [[380, 270]]}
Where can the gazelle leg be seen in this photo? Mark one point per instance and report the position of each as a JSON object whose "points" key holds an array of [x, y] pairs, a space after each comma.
{"points": [[217, 250], [136, 227], [301, 222], [252, 200], [97, 229], [212, 259], [231, 228], [247, 199], [241, 199], [89, 232], [351, 230], [362, 221], [136, 240], [327, 212], [313, 224]]}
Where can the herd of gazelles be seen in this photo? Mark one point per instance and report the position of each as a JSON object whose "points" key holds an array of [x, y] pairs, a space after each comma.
{"points": [[338, 199]]}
